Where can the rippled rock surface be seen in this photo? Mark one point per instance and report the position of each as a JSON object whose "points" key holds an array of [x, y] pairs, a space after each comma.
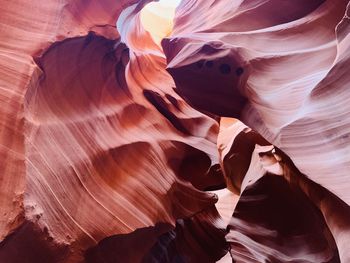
{"points": [[225, 139]]}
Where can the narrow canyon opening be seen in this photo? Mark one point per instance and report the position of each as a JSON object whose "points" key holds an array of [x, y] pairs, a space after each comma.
{"points": [[157, 18]]}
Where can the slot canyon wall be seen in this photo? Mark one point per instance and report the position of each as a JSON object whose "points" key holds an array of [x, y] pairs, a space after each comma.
{"points": [[228, 140]]}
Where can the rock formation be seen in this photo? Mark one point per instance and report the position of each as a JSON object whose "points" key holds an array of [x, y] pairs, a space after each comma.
{"points": [[224, 138]]}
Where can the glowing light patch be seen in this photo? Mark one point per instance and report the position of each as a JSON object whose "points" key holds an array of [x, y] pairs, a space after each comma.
{"points": [[157, 18], [174, 3]]}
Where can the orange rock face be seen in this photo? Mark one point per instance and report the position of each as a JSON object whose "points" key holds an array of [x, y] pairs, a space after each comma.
{"points": [[119, 146]]}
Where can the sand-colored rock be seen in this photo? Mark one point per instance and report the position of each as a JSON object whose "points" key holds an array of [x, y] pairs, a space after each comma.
{"points": [[114, 145]]}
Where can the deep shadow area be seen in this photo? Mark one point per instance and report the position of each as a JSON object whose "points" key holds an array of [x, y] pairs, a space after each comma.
{"points": [[76, 77], [194, 239], [29, 244], [287, 226]]}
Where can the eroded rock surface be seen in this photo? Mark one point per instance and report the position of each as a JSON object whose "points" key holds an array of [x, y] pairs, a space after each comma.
{"points": [[115, 147]]}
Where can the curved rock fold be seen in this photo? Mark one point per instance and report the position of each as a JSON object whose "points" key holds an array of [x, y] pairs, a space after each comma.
{"points": [[224, 133]]}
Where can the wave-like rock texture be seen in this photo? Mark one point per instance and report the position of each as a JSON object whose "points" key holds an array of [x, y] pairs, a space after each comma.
{"points": [[282, 74], [116, 149]]}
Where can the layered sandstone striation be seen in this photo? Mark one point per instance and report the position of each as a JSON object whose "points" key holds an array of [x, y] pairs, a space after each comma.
{"points": [[229, 135]]}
